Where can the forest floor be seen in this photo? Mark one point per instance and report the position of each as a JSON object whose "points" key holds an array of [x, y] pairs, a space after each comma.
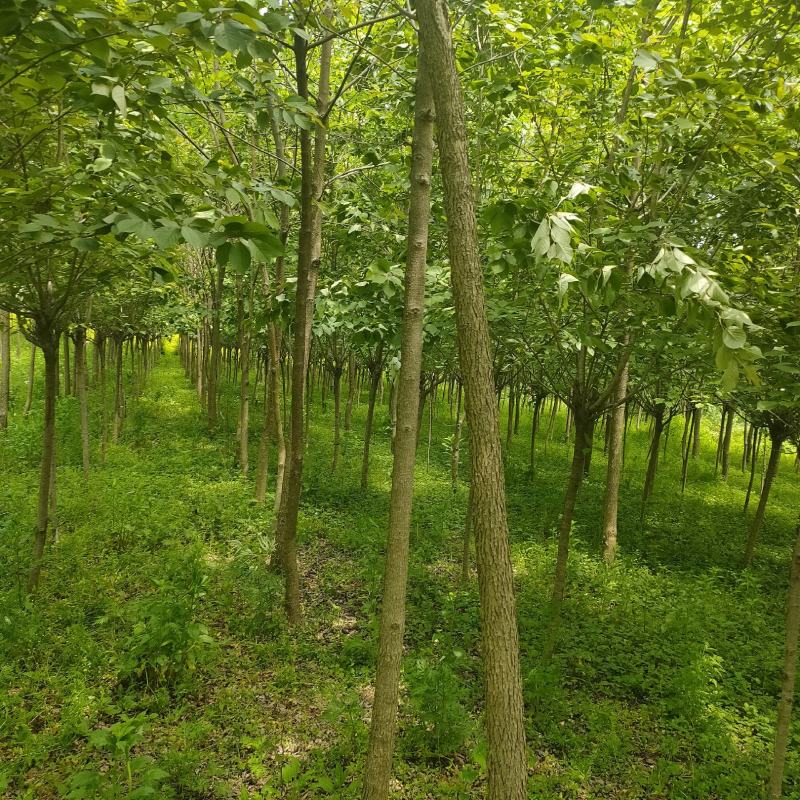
{"points": [[156, 662]]}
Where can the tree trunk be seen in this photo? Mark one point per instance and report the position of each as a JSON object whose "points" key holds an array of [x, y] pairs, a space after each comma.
{"points": [[694, 420], [564, 531], [755, 447], [81, 379], [212, 378], [652, 455], [507, 752], [746, 448], [456, 452], [118, 390], [31, 379], [789, 673], [697, 416], [587, 457], [351, 389], [537, 406], [312, 172], [337, 403], [726, 444], [776, 445], [616, 433], [200, 350], [510, 417], [392, 622], [67, 371], [720, 437], [50, 350], [244, 389], [5, 366], [375, 378]]}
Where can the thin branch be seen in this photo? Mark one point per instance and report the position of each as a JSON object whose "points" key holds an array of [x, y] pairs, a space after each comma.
{"points": [[345, 31]]}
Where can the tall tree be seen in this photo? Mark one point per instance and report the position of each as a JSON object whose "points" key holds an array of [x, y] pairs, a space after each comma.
{"points": [[393, 602], [312, 176], [507, 752]]}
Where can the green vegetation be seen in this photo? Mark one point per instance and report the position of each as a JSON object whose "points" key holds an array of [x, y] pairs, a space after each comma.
{"points": [[664, 685], [399, 398]]}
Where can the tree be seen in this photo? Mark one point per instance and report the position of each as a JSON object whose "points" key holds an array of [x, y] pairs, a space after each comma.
{"points": [[392, 620], [504, 717]]}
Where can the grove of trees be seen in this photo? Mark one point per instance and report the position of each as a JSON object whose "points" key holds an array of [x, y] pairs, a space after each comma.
{"points": [[417, 263]]}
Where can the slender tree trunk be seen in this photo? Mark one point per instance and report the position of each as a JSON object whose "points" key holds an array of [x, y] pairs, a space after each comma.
{"points": [[746, 448], [537, 406], [507, 752], [616, 433], [756, 446], [776, 445], [697, 416], [97, 344], [351, 389], [375, 378], [720, 438], [726, 444], [5, 366], [312, 173], [83, 398], [456, 452], [789, 674], [392, 622], [244, 389], [50, 350], [212, 378], [31, 379], [67, 371], [690, 438], [510, 417], [262, 465], [564, 531], [337, 403], [652, 455], [118, 390], [200, 366]]}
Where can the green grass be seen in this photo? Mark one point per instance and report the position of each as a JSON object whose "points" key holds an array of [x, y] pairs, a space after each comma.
{"points": [[664, 684]]}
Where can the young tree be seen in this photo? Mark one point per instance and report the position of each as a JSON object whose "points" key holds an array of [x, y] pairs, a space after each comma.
{"points": [[393, 602]]}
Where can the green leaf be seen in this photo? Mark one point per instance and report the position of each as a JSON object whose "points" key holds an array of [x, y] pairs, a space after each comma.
{"points": [[194, 237], [160, 84], [290, 770], [232, 36], [540, 243], [167, 236], [239, 257], [187, 17], [731, 375], [223, 253], [645, 60], [734, 338], [85, 245], [101, 164], [118, 96]]}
